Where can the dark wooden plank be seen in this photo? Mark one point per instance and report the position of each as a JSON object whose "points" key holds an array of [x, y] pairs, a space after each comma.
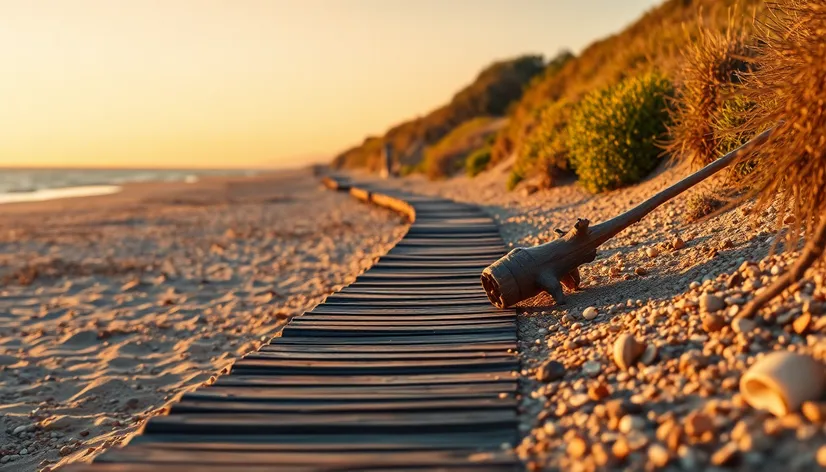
{"points": [[348, 297], [147, 454], [321, 368], [503, 377], [391, 319], [491, 347], [400, 322], [326, 442], [366, 283], [413, 302], [190, 406], [398, 340], [355, 423], [402, 310], [474, 289], [330, 330], [343, 394], [378, 357]]}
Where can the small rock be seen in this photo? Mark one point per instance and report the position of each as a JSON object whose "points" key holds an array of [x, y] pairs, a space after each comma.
{"points": [[677, 243], [590, 313], [801, 324], [640, 271], [65, 450], [599, 392], [658, 455], [21, 429], [743, 325], [592, 368], [726, 244], [821, 456], [652, 252], [726, 455], [710, 303], [630, 423], [814, 411], [577, 447], [626, 351], [713, 323], [550, 371], [23, 452], [621, 449], [697, 424]]}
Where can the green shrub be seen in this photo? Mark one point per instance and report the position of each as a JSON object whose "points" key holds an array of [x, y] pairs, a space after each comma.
{"points": [[544, 152], [478, 161], [513, 180], [448, 156], [613, 134]]}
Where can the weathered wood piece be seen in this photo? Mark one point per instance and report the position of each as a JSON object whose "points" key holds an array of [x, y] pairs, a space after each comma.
{"points": [[525, 272]]}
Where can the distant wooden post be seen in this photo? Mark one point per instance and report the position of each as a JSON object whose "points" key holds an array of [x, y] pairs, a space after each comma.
{"points": [[386, 161]]}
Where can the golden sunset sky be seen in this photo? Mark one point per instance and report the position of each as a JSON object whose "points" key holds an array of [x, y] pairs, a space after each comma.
{"points": [[252, 83]]}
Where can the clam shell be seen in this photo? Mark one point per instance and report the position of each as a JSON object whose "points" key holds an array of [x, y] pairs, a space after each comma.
{"points": [[627, 350], [781, 381]]}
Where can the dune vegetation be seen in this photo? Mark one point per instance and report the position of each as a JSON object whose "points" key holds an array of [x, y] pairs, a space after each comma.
{"points": [[688, 82]]}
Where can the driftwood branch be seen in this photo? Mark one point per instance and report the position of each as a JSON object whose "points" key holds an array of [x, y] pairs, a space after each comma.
{"points": [[525, 272]]}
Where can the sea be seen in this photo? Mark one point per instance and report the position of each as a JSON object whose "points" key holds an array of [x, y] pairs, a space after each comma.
{"points": [[30, 185]]}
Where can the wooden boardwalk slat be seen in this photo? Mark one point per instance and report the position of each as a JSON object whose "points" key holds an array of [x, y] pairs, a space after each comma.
{"points": [[409, 368]]}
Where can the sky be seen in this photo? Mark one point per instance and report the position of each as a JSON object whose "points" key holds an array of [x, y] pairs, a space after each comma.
{"points": [[253, 83]]}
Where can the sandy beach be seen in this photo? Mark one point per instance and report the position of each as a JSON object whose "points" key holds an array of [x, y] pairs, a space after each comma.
{"points": [[113, 306]]}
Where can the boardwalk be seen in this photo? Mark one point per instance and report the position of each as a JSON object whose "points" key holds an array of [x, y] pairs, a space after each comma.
{"points": [[408, 368]]}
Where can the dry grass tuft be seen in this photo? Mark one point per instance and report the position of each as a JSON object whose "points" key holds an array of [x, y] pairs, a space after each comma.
{"points": [[709, 80], [701, 205], [789, 92]]}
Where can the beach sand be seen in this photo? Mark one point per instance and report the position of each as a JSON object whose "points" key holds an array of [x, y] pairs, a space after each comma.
{"points": [[111, 307]]}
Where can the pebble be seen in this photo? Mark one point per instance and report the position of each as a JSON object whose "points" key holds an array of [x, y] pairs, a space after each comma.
{"points": [[726, 455], [630, 423], [577, 447], [658, 455], [801, 324], [640, 271], [550, 371], [743, 326], [697, 424], [590, 313], [592, 368], [677, 243], [621, 449], [710, 303], [626, 351], [713, 323], [821, 456], [599, 392], [652, 252], [814, 411]]}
